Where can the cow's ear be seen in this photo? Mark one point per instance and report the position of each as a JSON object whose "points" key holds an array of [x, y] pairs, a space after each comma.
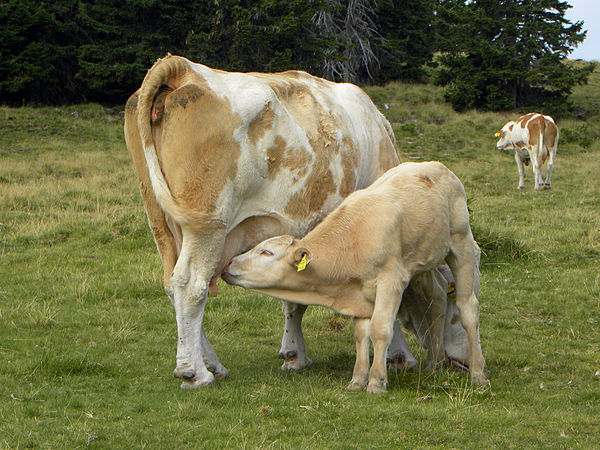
{"points": [[497, 133], [302, 258]]}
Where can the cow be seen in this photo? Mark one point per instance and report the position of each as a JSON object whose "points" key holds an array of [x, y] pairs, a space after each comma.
{"points": [[534, 137], [362, 257], [226, 160]]}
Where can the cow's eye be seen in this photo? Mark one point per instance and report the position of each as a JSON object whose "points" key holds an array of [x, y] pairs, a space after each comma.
{"points": [[267, 253]]}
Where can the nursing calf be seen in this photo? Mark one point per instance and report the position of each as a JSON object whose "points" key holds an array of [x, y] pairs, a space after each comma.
{"points": [[365, 254]]}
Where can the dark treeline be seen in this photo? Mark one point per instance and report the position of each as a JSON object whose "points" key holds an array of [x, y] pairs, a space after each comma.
{"points": [[490, 54]]}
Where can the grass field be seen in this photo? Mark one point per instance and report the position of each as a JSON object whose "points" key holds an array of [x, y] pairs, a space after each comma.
{"points": [[88, 338]]}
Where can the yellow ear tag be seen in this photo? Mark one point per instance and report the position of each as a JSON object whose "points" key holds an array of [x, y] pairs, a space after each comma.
{"points": [[497, 133], [303, 263]]}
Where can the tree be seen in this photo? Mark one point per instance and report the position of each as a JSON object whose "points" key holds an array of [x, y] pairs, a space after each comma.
{"points": [[501, 54], [407, 39]]}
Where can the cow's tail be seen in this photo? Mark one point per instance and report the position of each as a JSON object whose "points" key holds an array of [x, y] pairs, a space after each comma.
{"points": [[170, 72]]}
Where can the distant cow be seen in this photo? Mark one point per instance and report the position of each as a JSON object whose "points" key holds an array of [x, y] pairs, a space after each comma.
{"points": [[362, 257], [226, 160], [534, 137]]}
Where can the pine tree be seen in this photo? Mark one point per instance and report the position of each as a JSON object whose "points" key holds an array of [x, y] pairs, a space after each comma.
{"points": [[502, 54], [407, 39]]}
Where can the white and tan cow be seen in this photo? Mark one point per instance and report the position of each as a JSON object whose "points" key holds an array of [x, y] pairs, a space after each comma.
{"points": [[362, 257], [533, 137], [226, 160]]}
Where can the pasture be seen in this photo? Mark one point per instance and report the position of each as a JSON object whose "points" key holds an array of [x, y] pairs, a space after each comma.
{"points": [[88, 337]]}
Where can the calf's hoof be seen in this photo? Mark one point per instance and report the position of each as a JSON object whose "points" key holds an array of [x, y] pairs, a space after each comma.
{"points": [[521, 187], [356, 385], [547, 186], [377, 387], [291, 361]]}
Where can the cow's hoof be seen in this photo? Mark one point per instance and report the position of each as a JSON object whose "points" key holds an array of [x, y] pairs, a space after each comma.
{"points": [[521, 187], [219, 372], [377, 388], [291, 361], [185, 371], [195, 384], [356, 385], [479, 380], [547, 186], [399, 365], [296, 364], [433, 367]]}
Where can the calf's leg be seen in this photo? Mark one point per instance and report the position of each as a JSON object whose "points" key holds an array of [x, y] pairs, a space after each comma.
{"points": [[361, 366], [387, 302], [462, 263]]}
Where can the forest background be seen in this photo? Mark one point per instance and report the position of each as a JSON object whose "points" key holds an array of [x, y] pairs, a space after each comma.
{"points": [[490, 55]]}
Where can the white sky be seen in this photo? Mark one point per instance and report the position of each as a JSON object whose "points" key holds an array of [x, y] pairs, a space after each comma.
{"points": [[589, 12]]}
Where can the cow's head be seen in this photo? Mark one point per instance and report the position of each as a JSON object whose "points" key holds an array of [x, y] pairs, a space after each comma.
{"points": [[504, 141], [276, 263]]}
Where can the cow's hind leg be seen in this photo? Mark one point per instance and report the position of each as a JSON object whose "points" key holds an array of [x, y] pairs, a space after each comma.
{"points": [[189, 283], [210, 358], [549, 168], [360, 374], [462, 263], [293, 347], [435, 294], [537, 171], [398, 354]]}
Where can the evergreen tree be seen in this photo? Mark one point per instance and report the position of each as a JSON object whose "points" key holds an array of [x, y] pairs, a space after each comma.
{"points": [[501, 54], [407, 39]]}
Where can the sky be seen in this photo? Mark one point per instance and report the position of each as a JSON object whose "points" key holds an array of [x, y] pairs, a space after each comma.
{"points": [[589, 12]]}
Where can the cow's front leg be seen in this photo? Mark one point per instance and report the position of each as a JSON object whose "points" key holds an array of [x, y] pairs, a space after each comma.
{"points": [[387, 302], [398, 353], [521, 169], [360, 374], [189, 283], [293, 348]]}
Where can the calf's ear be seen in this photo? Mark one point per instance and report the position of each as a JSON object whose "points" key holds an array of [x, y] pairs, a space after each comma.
{"points": [[302, 258]]}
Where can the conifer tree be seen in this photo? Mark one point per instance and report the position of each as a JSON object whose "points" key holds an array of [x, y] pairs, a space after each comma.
{"points": [[502, 54]]}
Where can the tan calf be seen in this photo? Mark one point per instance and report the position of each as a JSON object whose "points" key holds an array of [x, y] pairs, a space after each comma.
{"points": [[362, 257]]}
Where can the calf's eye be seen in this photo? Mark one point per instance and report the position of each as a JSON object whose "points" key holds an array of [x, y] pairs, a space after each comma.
{"points": [[267, 253]]}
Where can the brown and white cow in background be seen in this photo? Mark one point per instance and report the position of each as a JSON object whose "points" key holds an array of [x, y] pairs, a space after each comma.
{"points": [[226, 160], [533, 137], [362, 257]]}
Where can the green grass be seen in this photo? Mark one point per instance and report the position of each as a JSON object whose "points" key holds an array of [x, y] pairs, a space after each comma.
{"points": [[88, 338]]}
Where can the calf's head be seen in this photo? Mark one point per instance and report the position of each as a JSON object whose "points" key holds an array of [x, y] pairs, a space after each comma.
{"points": [[276, 263], [504, 142]]}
